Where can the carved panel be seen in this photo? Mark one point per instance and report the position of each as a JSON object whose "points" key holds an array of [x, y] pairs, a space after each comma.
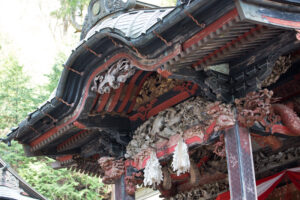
{"points": [[113, 169], [118, 73], [195, 113], [154, 86]]}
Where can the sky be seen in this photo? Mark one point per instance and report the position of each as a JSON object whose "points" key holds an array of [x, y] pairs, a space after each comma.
{"points": [[35, 37]]}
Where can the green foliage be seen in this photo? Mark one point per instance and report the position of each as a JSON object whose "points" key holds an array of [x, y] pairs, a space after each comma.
{"points": [[168, 2], [68, 7], [54, 184], [161, 3], [71, 12], [17, 98], [52, 78], [54, 75]]}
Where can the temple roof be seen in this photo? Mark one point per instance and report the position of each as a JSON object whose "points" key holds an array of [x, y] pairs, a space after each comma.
{"points": [[12, 186], [133, 64]]}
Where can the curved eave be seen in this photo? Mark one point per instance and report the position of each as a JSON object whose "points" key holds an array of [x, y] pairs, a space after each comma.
{"points": [[137, 51], [154, 46]]}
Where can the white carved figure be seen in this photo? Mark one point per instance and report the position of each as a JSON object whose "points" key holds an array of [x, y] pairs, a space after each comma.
{"points": [[152, 172], [117, 74], [181, 160]]}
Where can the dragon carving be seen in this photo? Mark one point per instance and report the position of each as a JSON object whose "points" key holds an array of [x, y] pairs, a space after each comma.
{"points": [[258, 107], [222, 114], [288, 117], [117, 74]]}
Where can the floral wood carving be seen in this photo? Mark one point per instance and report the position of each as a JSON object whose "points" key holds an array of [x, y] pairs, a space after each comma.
{"points": [[219, 147], [196, 113], [256, 107], [222, 114], [113, 169], [154, 86], [118, 73], [167, 123], [281, 66]]}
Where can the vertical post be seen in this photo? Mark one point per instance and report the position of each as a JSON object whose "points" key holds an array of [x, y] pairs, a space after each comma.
{"points": [[120, 190], [240, 164]]}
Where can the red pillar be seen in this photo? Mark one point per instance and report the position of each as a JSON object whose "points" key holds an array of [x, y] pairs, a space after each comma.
{"points": [[240, 164]]}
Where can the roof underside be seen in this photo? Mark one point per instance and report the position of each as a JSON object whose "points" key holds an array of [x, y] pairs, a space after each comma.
{"points": [[132, 65]]}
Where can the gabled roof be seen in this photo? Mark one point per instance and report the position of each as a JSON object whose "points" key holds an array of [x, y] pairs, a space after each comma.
{"points": [[12, 186]]}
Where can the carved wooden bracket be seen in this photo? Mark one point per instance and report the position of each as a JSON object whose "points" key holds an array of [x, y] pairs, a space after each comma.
{"points": [[113, 169]]}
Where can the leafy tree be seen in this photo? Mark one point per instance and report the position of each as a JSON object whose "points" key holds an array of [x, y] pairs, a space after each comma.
{"points": [[17, 98], [52, 78], [58, 184], [71, 12], [54, 75], [168, 2]]}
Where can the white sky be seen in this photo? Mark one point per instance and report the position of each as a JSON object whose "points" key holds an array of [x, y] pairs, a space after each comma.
{"points": [[36, 36], [33, 33]]}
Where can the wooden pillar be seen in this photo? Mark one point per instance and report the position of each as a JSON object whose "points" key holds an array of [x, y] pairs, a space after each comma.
{"points": [[240, 164], [120, 190]]}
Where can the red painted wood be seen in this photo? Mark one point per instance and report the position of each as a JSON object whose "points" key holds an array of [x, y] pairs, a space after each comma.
{"points": [[145, 112], [129, 90], [164, 73], [86, 90], [115, 98], [103, 100], [166, 104], [64, 158], [138, 91], [241, 175], [95, 102], [211, 28], [79, 125], [169, 149], [227, 45], [292, 24], [120, 190], [74, 137], [277, 128]]}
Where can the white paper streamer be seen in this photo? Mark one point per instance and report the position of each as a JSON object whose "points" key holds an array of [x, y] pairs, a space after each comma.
{"points": [[181, 160], [152, 172]]}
